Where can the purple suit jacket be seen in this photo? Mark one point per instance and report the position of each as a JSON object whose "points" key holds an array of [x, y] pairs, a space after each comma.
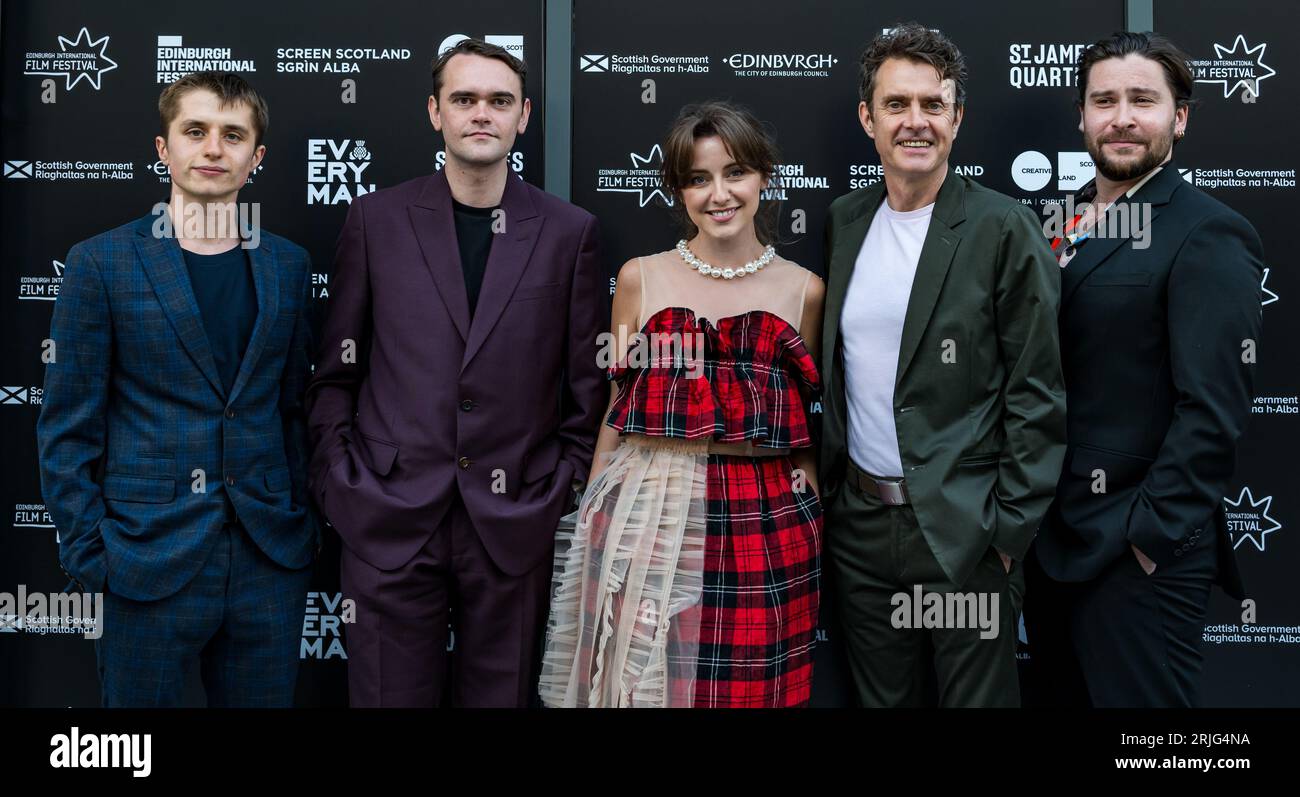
{"points": [[412, 402]]}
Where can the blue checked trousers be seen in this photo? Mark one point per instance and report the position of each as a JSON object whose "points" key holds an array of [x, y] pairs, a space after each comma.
{"points": [[241, 618]]}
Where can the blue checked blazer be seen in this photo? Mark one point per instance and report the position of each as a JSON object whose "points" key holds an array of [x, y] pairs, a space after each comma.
{"points": [[138, 440]]}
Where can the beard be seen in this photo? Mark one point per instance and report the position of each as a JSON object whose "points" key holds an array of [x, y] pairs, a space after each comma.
{"points": [[1155, 152]]}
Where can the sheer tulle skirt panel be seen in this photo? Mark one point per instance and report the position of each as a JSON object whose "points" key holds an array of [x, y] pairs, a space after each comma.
{"points": [[626, 591]]}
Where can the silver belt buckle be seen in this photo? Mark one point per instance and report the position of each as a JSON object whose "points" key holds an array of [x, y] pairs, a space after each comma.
{"points": [[891, 492]]}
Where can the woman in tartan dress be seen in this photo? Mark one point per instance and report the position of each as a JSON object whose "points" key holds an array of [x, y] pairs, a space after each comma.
{"points": [[690, 574]]}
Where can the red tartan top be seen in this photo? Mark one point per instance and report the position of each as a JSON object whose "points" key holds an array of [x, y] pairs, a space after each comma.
{"points": [[754, 380]]}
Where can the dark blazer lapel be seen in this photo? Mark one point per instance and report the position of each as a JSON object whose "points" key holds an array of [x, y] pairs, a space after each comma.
{"points": [[941, 243], [1157, 191], [849, 236], [435, 229], [266, 281], [507, 260], [165, 268]]}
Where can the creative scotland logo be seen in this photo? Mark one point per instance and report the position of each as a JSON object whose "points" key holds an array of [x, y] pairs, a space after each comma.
{"points": [[513, 43], [1032, 170]]}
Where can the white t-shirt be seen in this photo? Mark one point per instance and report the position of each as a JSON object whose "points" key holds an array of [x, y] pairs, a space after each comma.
{"points": [[871, 328]]}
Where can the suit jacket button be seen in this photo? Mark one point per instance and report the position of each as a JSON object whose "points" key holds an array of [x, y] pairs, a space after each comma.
{"points": [[466, 405], [230, 413], [230, 480], [1178, 552], [464, 463]]}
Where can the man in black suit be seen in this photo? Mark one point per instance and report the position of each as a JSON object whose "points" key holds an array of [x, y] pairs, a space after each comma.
{"points": [[1160, 318]]}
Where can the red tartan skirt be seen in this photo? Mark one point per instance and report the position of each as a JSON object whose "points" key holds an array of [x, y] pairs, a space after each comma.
{"points": [[762, 585]]}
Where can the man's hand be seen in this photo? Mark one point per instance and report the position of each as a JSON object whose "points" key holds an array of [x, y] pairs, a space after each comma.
{"points": [[1147, 565]]}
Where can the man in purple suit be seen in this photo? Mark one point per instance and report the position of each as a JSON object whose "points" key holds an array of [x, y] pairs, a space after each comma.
{"points": [[455, 402]]}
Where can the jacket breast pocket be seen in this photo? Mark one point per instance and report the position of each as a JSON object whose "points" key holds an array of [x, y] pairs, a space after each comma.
{"points": [[138, 489], [549, 290], [1117, 468]]}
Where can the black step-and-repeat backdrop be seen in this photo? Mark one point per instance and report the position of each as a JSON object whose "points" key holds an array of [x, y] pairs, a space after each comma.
{"points": [[1240, 147], [85, 162], [637, 66], [347, 86]]}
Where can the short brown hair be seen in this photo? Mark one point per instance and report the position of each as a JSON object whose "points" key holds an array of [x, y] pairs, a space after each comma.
{"points": [[914, 42], [744, 136], [1178, 75], [478, 47], [231, 89]]}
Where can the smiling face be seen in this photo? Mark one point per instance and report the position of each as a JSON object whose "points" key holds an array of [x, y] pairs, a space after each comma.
{"points": [[720, 195], [912, 117], [479, 111], [209, 149], [1129, 118]]}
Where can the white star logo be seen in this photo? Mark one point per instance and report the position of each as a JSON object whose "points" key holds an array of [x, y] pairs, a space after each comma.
{"points": [[1266, 524], [1269, 296], [1256, 54], [655, 158], [93, 68]]}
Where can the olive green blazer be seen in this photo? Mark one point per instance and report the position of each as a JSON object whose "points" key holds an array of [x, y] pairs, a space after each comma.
{"points": [[979, 397]]}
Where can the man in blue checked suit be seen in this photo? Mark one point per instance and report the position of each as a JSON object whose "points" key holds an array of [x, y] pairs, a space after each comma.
{"points": [[172, 437]]}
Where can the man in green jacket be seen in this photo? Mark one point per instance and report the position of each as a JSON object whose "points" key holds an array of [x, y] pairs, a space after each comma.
{"points": [[945, 404]]}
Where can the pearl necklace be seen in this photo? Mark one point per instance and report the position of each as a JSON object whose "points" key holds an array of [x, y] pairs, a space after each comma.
{"points": [[752, 267]]}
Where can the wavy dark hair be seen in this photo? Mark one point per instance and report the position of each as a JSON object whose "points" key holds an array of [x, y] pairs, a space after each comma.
{"points": [[914, 42], [1178, 74], [746, 138]]}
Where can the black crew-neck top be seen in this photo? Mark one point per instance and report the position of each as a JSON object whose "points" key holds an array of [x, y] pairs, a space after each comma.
{"points": [[474, 239], [223, 288]]}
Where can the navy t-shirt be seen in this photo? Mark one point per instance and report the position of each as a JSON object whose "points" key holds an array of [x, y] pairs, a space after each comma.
{"points": [[223, 287]]}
